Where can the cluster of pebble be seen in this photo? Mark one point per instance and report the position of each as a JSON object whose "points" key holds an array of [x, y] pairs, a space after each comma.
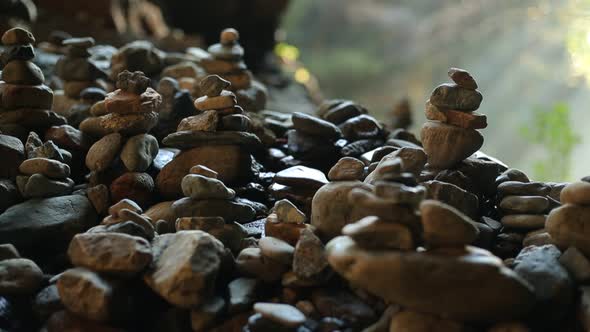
{"points": [[189, 207]]}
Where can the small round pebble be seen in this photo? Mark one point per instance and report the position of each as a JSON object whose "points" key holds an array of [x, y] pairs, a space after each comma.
{"points": [[283, 314]]}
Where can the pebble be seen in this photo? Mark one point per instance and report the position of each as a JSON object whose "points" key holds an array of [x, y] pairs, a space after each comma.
{"points": [[38, 185], [447, 145], [8, 251], [301, 176], [185, 266], [87, 294], [138, 187], [27, 96], [276, 249], [19, 276], [225, 100], [201, 187], [283, 314], [212, 85], [287, 212], [48, 167], [452, 96], [17, 36], [190, 139], [397, 276], [242, 294], [139, 152], [309, 258], [445, 226], [512, 174], [524, 221], [347, 169], [524, 204], [567, 226], [577, 264], [576, 193], [313, 126], [204, 171], [12, 151], [22, 72], [462, 78], [102, 153], [206, 121], [111, 253], [236, 122], [508, 188], [124, 204], [373, 233], [251, 263]]}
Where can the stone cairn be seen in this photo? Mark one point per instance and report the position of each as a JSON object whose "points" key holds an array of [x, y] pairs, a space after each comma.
{"points": [[45, 172], [25, 101], [77, 70], [131, 111], [226, 60], [452, 121], [217, 137]]}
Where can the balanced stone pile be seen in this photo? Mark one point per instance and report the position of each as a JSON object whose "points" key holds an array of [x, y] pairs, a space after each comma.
{"points": [[451, 133], [25, 101], [131, 111], [45, 172], [217, 137], [226, 60], [76, 69]]}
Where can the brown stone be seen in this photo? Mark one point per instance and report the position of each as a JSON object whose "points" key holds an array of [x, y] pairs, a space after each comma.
{"points": [[48, 167], [462, 78], [373, 233], [467, 120], [452, 96], [206, 121], [135, 186], [26, 96], [102, 153], [22, 72], [568, 227], [445, 226], [347, 169], [17, 36], [576, 193], [225, 100], [129, 124], [447, 145]]}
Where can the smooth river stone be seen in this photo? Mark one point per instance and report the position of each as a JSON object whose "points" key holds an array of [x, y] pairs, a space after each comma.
{"points": [[190, 139], [568, 226], [465, 284], [576, 193], [452, 96], [524, 204], [447, 145]]}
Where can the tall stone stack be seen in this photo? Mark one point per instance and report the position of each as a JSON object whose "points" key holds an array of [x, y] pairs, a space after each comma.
{"points": [[76, 69], [450, 135], [227, 61], [25, 101], [45, 172], [217, 137], [124, 154]]}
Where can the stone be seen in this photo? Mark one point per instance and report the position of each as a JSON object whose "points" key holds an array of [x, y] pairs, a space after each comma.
{"points": [[139, 152], [373, 233], [360, 127], [251, 263], [48, 167], [287, 232], [206, 121], [509, 188], [17, 36], [347, 169], [301, 176], [524, 221], [462, 78], [68, 137], [183, 70], [236, 122], [313, 126], [276, 249], [524, 204], [100, 198], [576, 193], [283, 314], [190, 139], [9, 194], [145, 223], [47, 302], [137, 55], [102, 153], [87, 294], [454, 196], [344, 305], [242, 294], [411, 321], [366, 203], [111, 253], [15, 96], [287, 212], [12, 152], [309, 258], [567, 226], [185, 267], [434, 113], [38, 185], [204, 171], [447, 145], [552, 285], [400, 194], [228, 210], [138, 187], [576, 263], [330, 208], [134, 82], [512, 174], [445, 226], [442, 282], [229, 161], [203, 317], [17, 52], [227, 52], [46, 225], [124, 204], [128, 124], [201, 187], [72, 69], [22, 72], [225, 100], [19, 276], [466, 120], [212, 85], [8, 251], [452, 96]]}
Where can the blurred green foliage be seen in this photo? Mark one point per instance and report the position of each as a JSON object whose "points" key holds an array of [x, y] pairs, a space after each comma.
{"points": [[551, 129]]}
